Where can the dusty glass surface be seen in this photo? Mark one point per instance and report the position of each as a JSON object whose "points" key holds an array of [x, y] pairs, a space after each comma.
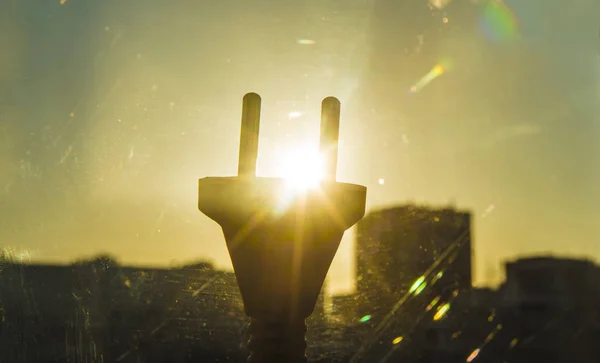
{"points": [[474, 124]]}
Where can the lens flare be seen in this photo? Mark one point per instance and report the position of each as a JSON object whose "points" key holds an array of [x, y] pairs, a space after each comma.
{"points": [[420, 288], [417, 284], [499, 23], [473, 355], [437, 70], [441, 312]]}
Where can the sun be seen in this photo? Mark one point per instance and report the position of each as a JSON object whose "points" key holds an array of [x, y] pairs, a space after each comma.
{"points": [[302, 168]]}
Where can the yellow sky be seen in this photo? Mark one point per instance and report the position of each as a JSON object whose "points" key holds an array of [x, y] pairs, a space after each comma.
{"points": [[111, 113]]}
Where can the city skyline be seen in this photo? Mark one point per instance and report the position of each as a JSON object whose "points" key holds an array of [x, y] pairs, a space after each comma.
{"points": [[181, 314]]}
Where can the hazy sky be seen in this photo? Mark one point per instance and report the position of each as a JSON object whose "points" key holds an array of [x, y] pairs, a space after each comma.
{"points": [[110, 111]]}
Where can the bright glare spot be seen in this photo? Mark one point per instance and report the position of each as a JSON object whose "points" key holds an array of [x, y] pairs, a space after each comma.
{"points": [[433, 303], [445, 20], [437, 277], [473, 355], [302, 168], [365, 318], [438, 70], [62, 2], [441, 312], [294, 114], [417, 283], [381, 181], [420, 288], [397, 340]]}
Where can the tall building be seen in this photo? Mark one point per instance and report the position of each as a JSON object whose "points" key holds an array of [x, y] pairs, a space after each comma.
{"points": [[402, 249], [551, 281], [555, 300]]}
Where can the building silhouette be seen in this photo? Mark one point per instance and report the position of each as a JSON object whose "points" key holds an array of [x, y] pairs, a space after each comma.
{"points": [[99, 311], [545, 311], [400, 246], [553, 282]]}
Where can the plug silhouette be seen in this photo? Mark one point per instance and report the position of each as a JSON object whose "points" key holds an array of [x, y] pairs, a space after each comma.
{"points": [[281, 243]]}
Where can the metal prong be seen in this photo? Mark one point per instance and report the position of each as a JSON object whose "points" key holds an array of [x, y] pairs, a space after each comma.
{"points": [[330, 132], [249, 135]]}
